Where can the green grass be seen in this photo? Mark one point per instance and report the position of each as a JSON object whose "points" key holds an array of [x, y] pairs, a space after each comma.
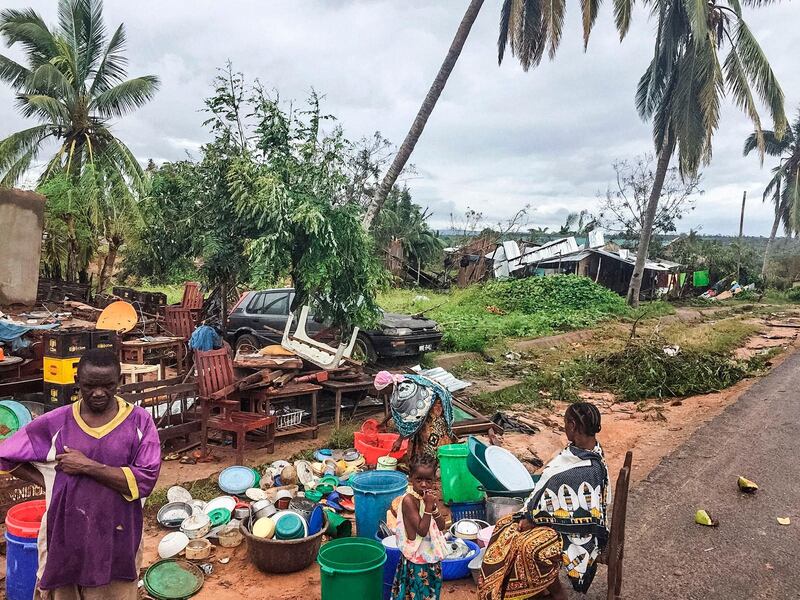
{"points": [[482, 316], [174, 292]]}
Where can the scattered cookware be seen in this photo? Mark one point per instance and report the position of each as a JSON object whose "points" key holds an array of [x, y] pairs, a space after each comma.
{"points": [[467, 529], [387, 463], [289, 526], [262, 508], [178, 493], [264, 528], [219, 516], [345, 491], [196, 526], [172, 544], [228, 502], [231, 536], [499, 507], [199, 549], [302, 506], [237, 479], [173, 579], [197, 506], [241, 512], [282, 499], [173, 514], [255, 494]]}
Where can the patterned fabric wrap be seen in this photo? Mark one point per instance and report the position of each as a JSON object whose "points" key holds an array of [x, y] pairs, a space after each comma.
{"points": [[431, 548], [572, 497], [417, 582], [519, 564], [411, 401]]}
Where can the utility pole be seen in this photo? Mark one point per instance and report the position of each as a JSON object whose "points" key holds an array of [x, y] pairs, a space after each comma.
{"points": [[741, 231]]}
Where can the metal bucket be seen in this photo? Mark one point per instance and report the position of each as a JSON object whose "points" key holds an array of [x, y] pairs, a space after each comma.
{"points": [[498, 507]]}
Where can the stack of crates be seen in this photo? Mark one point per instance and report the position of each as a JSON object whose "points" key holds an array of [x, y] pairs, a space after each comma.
{"points": [[62, 352]]}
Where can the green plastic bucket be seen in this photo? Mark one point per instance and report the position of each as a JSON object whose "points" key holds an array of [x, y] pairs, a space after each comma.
{"points": [[352, 568], [458, 484]]}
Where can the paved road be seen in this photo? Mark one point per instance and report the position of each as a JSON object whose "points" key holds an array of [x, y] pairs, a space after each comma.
{"points": [[749, 556]]}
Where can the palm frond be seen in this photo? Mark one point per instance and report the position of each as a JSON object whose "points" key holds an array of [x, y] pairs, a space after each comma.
{"points": [[553, 15], [622, 16], [20, 143], [49, 81], [117, 154], [28, 29], [12, 72], [697, 12], [758, 70], [46, 107], [737, 82], [589, 8], [112, 68], [126, 96], [502, 39], [18, 168]]}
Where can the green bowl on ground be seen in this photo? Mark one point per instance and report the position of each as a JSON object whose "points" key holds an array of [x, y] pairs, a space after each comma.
{"points": [[219, 516], [476, 463]]}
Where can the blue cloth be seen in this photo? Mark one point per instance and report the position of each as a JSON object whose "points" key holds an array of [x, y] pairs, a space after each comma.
{"points": [[205, 338], [12, 332]]}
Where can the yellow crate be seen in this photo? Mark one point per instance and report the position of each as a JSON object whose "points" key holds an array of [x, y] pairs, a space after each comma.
{"points": [[60, 370]]}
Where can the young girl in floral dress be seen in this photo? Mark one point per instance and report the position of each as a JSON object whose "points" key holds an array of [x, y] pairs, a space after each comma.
{"points": [[419, 536]]}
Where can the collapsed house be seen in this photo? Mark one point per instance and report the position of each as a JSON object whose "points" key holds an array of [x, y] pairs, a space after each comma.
{"points": [[610, 268]]}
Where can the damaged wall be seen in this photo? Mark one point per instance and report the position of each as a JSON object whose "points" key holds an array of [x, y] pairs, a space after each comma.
{"points": [[21, 224]]}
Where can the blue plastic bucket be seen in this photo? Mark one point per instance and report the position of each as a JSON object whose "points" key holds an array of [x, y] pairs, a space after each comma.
{"points": [[22, 562], [374, 492]]}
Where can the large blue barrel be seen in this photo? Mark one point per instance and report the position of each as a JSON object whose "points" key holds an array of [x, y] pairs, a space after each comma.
{"points": [[374, 493]]}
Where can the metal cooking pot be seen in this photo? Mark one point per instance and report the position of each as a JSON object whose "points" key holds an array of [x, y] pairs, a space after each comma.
{"points": [[497, 508], [262, 508]]}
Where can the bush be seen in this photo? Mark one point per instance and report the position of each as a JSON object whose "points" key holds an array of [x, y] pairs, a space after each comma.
{"points": [[793, 294]]}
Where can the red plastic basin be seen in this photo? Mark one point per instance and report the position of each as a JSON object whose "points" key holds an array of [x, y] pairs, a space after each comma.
{"points": [[373, 449], [24, 519]]}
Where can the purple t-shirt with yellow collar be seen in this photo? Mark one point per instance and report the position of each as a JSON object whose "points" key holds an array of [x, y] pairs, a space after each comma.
{"points": [[93, 532]]}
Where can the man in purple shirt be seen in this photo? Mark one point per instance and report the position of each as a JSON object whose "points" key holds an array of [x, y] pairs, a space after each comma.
{"points": [[97, 460]]}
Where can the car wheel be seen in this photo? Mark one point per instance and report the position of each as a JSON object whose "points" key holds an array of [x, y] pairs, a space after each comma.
{"points": [[364, 351], [248, 343]]}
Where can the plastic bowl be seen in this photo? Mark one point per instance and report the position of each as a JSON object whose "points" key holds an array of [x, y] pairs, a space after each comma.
{"points": [[458, 568], [476, 463], [381, 446]]}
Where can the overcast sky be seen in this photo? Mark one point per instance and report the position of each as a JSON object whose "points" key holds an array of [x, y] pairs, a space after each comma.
{"points": [[498, 139]]}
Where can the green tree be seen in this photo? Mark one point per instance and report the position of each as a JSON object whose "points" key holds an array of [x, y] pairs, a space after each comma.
{"points": [[403, 220], [703, 50], [784, 187], [74, 83]]}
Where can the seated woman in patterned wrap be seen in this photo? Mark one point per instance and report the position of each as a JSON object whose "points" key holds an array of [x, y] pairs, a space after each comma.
{"points": [[563, 521]]}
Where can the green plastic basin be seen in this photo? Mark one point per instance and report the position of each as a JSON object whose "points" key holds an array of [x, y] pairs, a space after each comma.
{"points": [[476, 463]]}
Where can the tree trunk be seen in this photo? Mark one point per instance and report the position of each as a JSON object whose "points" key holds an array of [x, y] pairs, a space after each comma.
{"points": [[413, 135], [108, 266], [771, 239], [647, 231]]}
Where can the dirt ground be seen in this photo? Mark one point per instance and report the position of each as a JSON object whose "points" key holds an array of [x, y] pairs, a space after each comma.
{"points": [[651, 430]]}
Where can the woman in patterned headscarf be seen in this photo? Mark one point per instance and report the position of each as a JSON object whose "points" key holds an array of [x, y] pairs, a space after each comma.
{"points": [[563, 521], [422, 412]]}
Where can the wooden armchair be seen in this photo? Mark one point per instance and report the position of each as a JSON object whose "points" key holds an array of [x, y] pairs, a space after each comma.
{"points": [[217, 390], [179, 321], [613, 554]]}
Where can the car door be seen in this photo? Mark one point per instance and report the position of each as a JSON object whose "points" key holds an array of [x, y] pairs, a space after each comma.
{"points": [[267, 313]]}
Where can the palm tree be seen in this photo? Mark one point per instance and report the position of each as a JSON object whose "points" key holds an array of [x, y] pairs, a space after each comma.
{"points": [[73, 84], [784, 187], [413, 135], [682, 88]]}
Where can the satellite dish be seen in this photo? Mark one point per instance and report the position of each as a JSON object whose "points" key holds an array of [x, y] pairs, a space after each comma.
{"points": [[118, 316]]}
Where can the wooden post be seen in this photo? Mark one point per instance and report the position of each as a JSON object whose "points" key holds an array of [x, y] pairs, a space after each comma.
{"points": [[741, 231]]}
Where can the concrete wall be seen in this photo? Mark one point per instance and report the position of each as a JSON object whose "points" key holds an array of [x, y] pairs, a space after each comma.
{"points": [[21, 223]]}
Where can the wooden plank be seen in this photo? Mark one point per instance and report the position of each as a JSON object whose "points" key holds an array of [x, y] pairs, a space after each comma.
{"points": [[173, 431]]}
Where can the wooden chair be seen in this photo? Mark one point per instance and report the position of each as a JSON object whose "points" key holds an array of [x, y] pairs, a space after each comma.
{"points": [[218, 391], [613, 554], [192, 296], [179, 321]]}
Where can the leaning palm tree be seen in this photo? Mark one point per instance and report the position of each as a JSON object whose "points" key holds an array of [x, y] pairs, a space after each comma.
{"points": [[703, 50], [784, 187], [74, 82], [528, 27]]}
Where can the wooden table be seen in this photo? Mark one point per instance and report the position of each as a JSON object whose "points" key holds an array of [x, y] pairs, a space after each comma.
{"points": [[140, 351], [290, 391], [357, 387]]}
